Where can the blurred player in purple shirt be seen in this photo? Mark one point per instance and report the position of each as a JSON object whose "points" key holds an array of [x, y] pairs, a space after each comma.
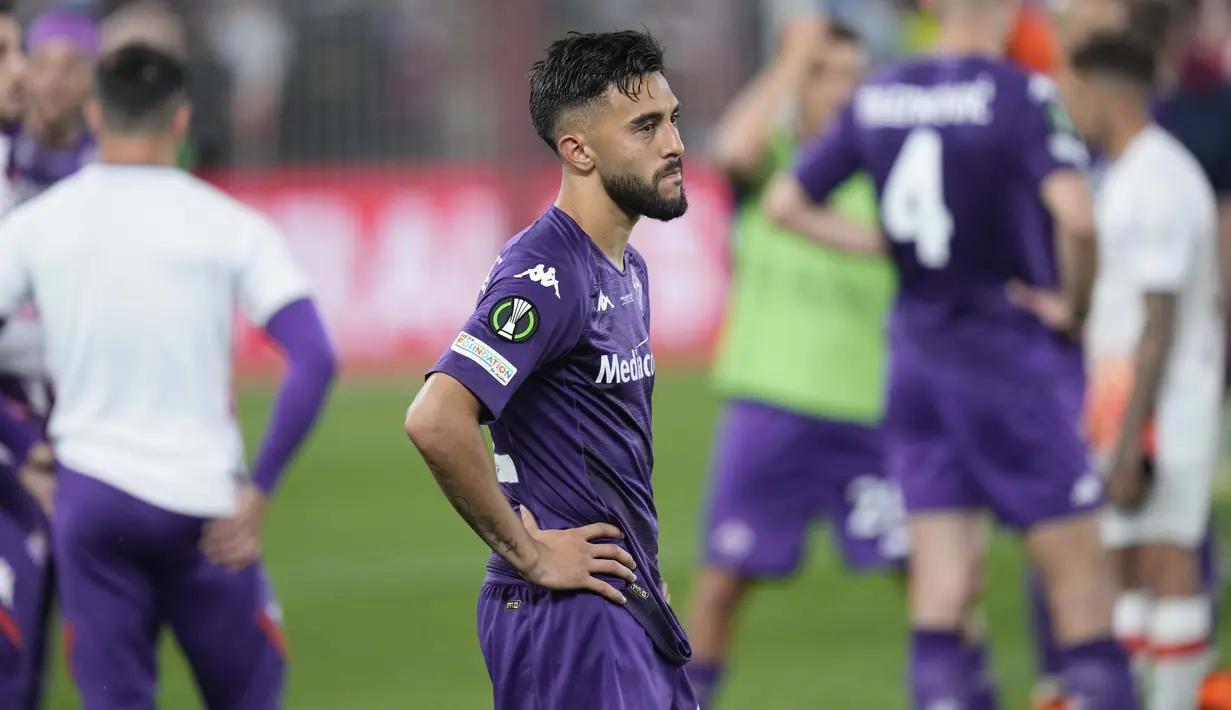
{"points": [[556, 360], [25, 586], [52, 141], [977, 173]]}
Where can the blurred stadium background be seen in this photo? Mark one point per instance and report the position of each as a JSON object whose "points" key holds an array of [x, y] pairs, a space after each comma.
{"points": [[390, 139]]}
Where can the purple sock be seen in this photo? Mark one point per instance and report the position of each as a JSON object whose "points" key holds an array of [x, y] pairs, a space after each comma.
{"points": [[1048, 662], [1097, 676], [939, 676], [705, 676], [983, 694]]}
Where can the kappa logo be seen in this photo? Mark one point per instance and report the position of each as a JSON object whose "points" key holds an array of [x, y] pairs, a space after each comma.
{"points": [[485, 356], [1087, 490], [541, 274], [604, 303]]}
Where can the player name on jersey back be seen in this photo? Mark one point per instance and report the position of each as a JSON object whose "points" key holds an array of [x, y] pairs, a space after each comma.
{"points": [[901, 105]]}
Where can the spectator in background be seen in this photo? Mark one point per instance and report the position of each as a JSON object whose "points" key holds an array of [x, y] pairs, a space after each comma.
{"points": [[254, 42]]}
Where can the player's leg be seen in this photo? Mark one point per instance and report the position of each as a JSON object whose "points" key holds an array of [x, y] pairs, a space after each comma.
{"points": [[547, 649], [946, 528], [106, 597], [24, 580], [1171, 605], [763, 495], [228, 624], [1048, 691], [1035, 472]]}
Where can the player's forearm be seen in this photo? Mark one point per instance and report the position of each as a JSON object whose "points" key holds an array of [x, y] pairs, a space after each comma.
{"points": [[789, 207], [452, 445], [311, 369], [1149, 368], [741, 137], [443, 423], [1079, 270]]}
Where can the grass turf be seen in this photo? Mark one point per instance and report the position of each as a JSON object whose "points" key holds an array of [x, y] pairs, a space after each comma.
{"points": [[378, 579]]}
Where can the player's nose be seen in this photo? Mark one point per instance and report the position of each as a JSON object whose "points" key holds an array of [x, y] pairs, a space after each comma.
{"points": [[673, 146]]}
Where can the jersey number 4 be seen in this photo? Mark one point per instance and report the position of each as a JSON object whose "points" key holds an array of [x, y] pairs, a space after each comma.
{"points": [[913, 204]]}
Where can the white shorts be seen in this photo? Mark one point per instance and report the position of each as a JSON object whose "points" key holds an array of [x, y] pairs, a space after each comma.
{"points": [[1177, 507]]}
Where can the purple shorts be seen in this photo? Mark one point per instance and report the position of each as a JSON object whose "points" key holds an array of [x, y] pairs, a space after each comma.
{"points": [[25, 598], [1011, 446], [777, 472], [125, 569], [548, 650]]}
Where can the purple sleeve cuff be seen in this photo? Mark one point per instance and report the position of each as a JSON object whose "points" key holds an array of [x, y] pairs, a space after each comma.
{"points": [[311, 366]]}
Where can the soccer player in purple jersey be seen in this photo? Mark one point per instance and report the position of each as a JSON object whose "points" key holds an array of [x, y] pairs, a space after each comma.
{"points": [[157, 517], [556, 360], [977, 172], [53, 140]]}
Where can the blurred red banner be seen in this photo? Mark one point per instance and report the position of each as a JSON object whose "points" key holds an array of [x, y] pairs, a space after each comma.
{"points": [[397, 256]]}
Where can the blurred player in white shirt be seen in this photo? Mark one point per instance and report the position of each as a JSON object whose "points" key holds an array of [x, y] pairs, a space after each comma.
{"points": [[136, 269], [1155, 351]]}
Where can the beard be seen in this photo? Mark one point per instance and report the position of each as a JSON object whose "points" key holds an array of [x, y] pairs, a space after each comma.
{"points": [[635, 197]]}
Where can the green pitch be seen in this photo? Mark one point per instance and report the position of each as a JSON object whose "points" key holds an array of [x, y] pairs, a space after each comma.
{"points": [[378, 579]]}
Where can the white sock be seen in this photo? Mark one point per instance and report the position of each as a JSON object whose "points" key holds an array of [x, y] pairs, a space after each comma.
{"points": [[1179, 645], [1131, 624]]}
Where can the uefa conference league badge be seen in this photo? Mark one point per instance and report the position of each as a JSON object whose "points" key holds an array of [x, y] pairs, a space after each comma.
{"points": [[513, 319]]}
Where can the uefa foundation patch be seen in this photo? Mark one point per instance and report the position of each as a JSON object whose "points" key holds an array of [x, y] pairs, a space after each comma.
{"points": [[486, 356]]}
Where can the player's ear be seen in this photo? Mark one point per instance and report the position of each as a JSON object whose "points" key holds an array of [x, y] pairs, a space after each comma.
{"points": [[183, 119], [94, 116], [573, 151]]}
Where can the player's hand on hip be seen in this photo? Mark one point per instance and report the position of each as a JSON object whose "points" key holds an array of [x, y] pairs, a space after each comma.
{"points": [[235, 542], [1127, 483], [1048, 306], [568, 560], [38, 476]]}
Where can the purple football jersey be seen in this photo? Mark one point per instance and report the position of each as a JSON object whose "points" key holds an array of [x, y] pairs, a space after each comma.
{"points": [[558, 353], [958, 149], [33, 168]]}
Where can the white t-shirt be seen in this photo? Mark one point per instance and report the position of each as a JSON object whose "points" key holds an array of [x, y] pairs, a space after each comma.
{"points": [[136, 272], [1158, 233]]}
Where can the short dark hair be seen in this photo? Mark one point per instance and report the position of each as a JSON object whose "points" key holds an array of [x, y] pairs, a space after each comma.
{"points": [[1120, 55], [140, 87], [8, 7], [841, 31], [578, 70]]}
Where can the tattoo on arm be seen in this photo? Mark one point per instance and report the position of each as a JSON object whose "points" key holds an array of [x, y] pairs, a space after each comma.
{"points": [[487, 526], [1151, 365]]}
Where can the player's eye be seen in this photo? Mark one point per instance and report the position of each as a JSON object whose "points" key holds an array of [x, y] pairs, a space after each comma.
{"points": [[647, 127], [675, 117]]}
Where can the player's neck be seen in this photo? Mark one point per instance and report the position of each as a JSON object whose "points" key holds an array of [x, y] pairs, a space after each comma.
{"points": [[135, 151], [608, 226], [1123, 134], [51, 134], [965, 39]]}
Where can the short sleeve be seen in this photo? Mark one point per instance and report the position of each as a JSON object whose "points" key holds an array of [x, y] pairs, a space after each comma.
{"points": [[529, 314], [16, 284], [269, 280], [1045, 141], [1163, 246], [831, 160]]}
